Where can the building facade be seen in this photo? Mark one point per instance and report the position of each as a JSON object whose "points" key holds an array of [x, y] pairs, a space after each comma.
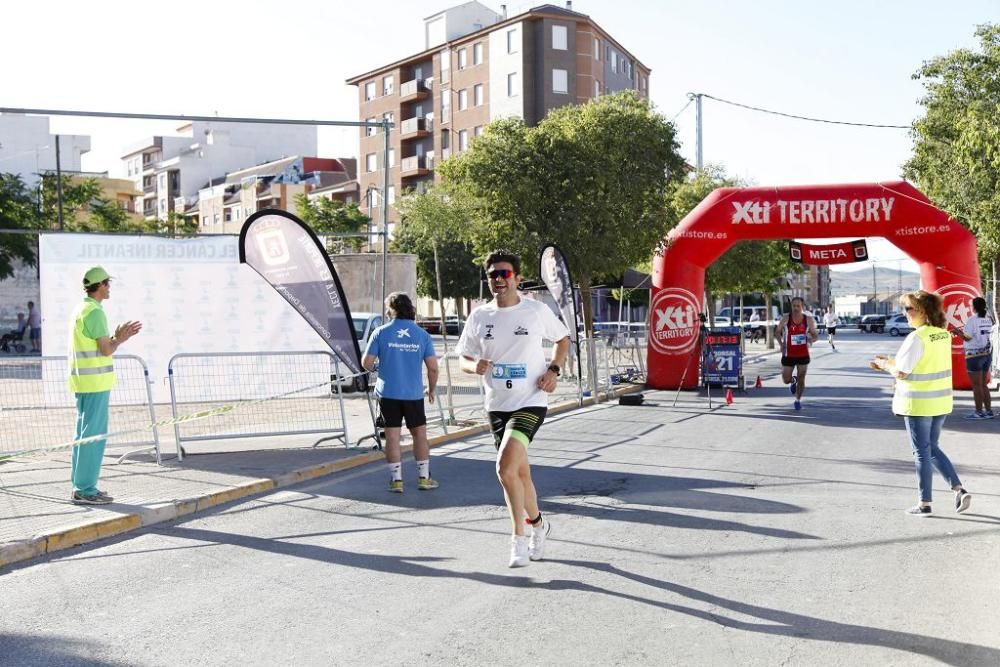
{"points": [[170, 170], [28, 148], [479, 66]]}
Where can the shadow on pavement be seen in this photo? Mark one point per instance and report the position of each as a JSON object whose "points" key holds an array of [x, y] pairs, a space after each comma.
{"points": [[25, 649]]}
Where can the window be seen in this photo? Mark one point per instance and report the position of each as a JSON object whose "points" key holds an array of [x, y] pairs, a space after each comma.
{"points": [[236, 213], [559, 37], [445, 106], [614, 61], [560, 81], [512, 41], [462, 59], [369, 91], [597, 88], [477, 94], [477, 53], [387, 85], [463, 100], [446, 59], [204, 221], [371, 130], [512, 84], [597, 49], [463, 140], [392, 195], [215, 219], [477, 131], [392, 158], [371, 163], [389, 116]]}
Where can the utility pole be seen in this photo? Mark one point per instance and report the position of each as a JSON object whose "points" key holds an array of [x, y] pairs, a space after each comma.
{"points": [[874, 289], [59, 195], [699, 161]]}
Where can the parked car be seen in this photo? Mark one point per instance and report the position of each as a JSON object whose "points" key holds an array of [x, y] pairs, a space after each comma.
{"points": [[364, 325], [432, 325], [898, 325], [872, 324]]}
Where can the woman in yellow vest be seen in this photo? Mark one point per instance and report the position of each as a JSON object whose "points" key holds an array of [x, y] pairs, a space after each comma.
{"points": [[91, 377], [922, 368]]}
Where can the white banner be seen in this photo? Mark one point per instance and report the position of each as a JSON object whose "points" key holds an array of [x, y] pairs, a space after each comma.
{"points": [[191, 295]]}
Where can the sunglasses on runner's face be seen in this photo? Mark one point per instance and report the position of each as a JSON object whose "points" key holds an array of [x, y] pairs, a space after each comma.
{"points": [[500, 273]]}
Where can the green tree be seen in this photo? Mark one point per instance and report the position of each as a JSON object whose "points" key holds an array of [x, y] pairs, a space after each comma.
{"points": [[331, 217], [956, 144], [592, 178], [76, 193], [18, 210], [433, 221]]}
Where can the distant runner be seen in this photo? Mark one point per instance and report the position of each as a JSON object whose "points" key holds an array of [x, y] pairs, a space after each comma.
{"points": [[796, 332], [831, 322]]}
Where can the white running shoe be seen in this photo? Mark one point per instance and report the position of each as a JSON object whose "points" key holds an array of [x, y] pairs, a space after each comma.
{"points": [[536, 545], [518, 551]]}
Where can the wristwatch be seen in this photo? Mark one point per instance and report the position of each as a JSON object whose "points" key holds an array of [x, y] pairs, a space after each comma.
{"points": [[555, 369]]}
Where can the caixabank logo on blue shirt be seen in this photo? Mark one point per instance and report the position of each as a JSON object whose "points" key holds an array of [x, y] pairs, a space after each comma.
{"points": [[510, 371]]}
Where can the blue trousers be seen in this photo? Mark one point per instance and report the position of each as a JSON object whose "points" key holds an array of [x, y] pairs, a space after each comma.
{"points": [[924, 434], [91, 419]]}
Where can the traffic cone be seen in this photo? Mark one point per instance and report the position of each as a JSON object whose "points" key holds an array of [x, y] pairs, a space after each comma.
{"points": [[729, 397], [759, 384]]}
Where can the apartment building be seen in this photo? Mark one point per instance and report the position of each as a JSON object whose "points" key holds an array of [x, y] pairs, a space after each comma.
{"points": [[170, 170], [28, 148], [477, 66], [226, 202], [812, 285]]}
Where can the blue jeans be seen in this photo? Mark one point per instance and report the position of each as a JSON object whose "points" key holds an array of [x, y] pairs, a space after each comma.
{"points": [[924, 433]]}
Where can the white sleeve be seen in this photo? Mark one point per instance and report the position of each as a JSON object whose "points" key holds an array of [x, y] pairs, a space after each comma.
{"points": [[909, 353], [552, 327], [469, 344]]}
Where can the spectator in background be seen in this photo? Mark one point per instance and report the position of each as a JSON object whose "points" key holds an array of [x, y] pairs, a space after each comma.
{"points": [[35, 326], [978, 357], [831, 321], [13, 334]]}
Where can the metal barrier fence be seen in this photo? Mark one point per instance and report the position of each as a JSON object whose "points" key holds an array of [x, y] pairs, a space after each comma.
{"points": [[38, 410], [306, 387]]}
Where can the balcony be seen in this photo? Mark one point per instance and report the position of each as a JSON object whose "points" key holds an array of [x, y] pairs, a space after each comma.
{"points": [[415, 128], [149, 188], [414, 166], [414, 90]]}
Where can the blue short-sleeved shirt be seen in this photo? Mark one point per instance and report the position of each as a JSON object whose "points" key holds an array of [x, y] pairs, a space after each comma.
{"points": [[401, 347]]}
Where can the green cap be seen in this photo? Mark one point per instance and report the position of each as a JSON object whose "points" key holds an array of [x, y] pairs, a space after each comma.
{"points": [[95, 275]]}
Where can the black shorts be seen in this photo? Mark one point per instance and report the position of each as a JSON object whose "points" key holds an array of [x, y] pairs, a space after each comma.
{"points": [[526, 420], [394, 411], [831, 330], [795, 361]]}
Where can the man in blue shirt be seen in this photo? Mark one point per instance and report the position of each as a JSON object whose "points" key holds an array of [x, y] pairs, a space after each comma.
{"points": [[400, 348]]}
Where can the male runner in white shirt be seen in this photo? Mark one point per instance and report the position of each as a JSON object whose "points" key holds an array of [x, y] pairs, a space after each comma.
{"points": [[502, 342]]}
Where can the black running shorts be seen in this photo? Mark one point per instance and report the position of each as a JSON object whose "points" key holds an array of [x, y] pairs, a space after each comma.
{"points": [[394, 411], [526, 421], [795, 361], [831, 330]]}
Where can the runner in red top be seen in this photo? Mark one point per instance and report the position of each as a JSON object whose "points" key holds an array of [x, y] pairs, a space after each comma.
{"points": [[796, 332]]}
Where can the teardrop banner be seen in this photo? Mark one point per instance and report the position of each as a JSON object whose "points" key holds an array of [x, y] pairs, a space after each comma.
{"points": [[287, 254], [835, 253]]}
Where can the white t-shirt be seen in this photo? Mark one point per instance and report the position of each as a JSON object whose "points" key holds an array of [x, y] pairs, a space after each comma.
{"points": [[909, 353], [512, 338], [979, 328], [831, 319]]}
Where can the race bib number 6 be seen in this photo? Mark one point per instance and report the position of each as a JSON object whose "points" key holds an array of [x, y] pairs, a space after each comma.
{"points": [[508, 373]]}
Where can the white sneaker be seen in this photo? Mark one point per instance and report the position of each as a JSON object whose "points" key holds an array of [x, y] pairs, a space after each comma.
{"points": [[536, 545], [518, 551]]}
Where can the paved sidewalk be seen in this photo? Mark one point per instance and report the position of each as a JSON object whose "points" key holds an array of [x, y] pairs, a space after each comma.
{"points": [[36, 516]]}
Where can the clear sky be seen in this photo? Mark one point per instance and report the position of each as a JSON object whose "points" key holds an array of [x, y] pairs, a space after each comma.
{"points": [[846, 60]]}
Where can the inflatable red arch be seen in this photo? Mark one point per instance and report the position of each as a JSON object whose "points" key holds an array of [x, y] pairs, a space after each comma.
{"points": [[897, 211]]}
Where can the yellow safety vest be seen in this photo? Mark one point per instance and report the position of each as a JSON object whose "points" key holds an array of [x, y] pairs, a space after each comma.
{"points": [[926, 392], [89, 371]]}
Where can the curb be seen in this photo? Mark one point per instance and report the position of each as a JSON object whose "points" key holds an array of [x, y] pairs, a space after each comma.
{"points": [[73, 536]]}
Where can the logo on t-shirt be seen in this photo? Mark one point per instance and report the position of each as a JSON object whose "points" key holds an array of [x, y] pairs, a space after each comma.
{"points": [[489, 332], [403, 333], [520, 331]]}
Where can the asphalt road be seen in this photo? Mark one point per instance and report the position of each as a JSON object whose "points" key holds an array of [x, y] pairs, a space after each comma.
{"points": [[748, 535]]}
